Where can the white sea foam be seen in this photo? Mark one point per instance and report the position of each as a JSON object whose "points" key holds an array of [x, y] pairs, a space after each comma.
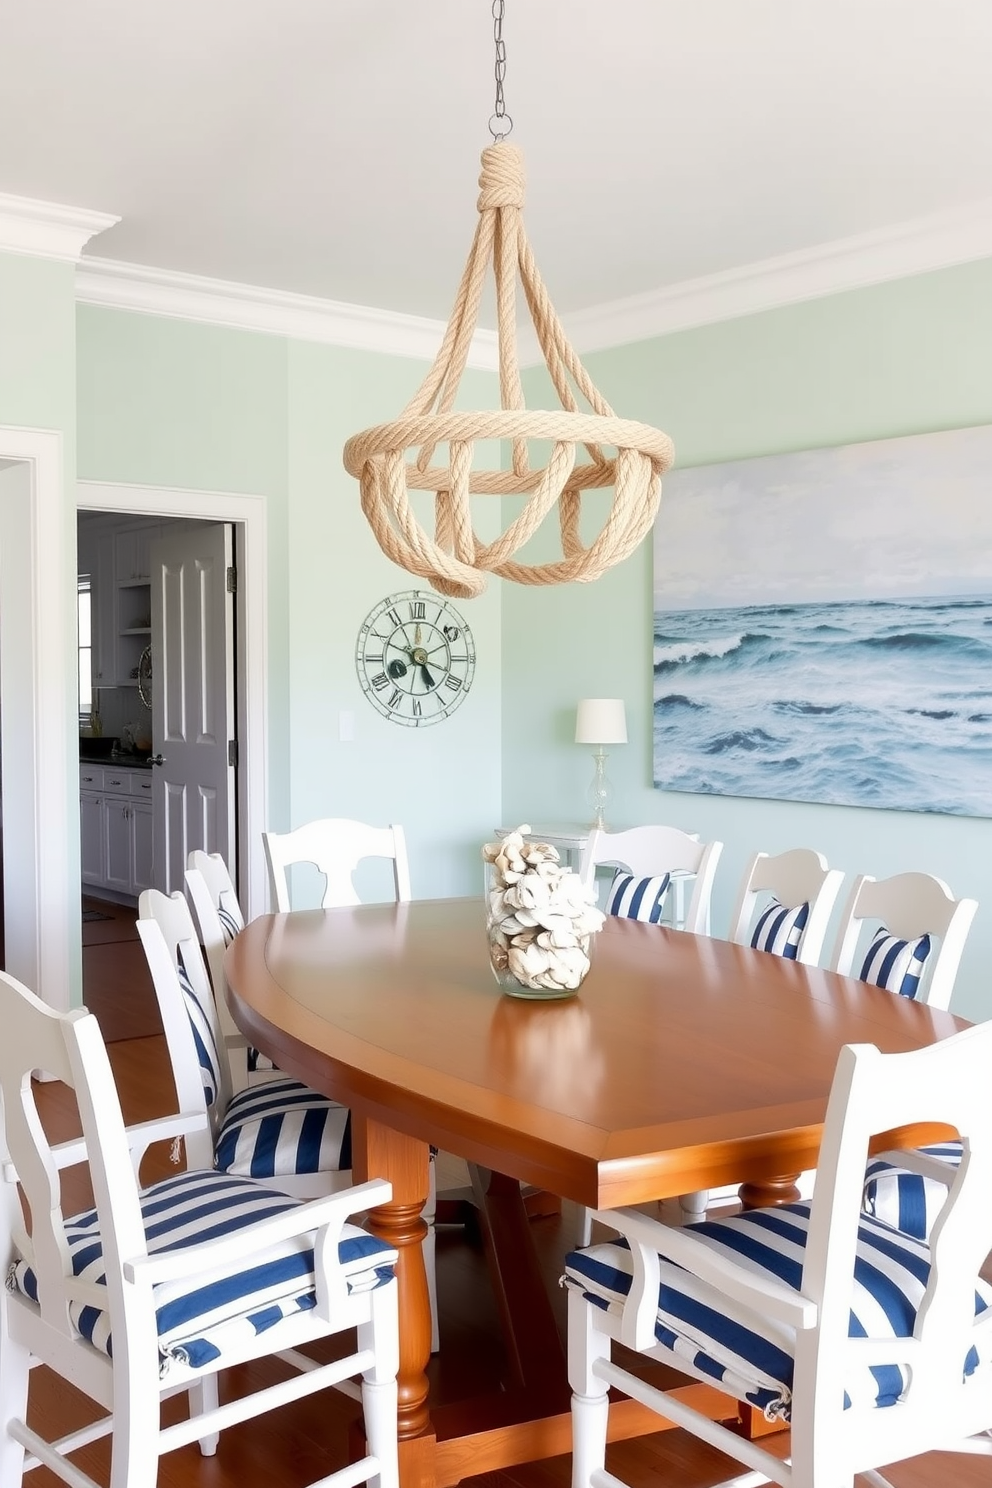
{"points": [[697, 650]]}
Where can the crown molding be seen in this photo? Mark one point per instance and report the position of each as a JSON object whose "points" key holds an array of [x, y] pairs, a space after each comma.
{"points": [[50, 230], [123, 286], [896, 252], [47, 229]]}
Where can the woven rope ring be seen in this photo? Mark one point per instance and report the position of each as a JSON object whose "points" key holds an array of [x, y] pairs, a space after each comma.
{"points": [[455, 561]]}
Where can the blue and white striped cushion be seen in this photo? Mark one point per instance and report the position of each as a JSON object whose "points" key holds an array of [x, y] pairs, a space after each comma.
{"points": [[780, 930], [230, 923], [281, 1128], [753, 1359], [909, 1201], [200, 1316], [201, 1019], [633, 898], [895, 964]]}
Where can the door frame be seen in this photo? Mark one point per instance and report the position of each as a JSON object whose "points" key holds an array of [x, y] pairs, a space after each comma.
{"points": [[248, 514], [38, 678]]}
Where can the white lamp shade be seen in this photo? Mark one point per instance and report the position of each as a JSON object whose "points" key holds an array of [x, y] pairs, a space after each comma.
{"points": [[601, 721]]}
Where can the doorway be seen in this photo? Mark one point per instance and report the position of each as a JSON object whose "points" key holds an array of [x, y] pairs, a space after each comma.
{"points": [[247, 517], [157, 711], [40, 897]]}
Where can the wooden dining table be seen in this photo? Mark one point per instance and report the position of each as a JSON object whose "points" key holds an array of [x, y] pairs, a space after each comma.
{"points": [[683, 1063]]}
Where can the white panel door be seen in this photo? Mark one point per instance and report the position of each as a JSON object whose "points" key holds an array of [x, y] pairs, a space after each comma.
{"points": [[192, 698]]}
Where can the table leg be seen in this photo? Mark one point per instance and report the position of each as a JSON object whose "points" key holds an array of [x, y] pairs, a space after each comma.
{"points": [[378, 1151], [769, 1193]]}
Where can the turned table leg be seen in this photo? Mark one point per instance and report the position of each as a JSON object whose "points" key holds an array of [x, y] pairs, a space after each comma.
{"points": [[767, 1193], [380, 1152]]}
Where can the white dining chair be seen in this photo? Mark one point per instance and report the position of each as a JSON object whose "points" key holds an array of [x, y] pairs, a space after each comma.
{"points": [[784, 904], [905, 933], [280, 1132], [152, 1291], [220, 919], [335, 846], [871, 1345], [646, 858]]}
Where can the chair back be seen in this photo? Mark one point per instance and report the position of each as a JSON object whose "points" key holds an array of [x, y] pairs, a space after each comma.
{"points": [[937, 1396], [906, 906], [652, 850], [68, 1047], [219, 919], [189, 1015], [335, 846], [793, 879]]}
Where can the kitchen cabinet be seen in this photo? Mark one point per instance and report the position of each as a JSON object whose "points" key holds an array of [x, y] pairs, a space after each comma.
{"points": [[132, 553], [91, 836], [132, 568], [96, 558], [116, 828]]}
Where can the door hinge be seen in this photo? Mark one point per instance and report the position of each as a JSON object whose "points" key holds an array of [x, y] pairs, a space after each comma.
{"points": [[232, 752], [232, 579]]}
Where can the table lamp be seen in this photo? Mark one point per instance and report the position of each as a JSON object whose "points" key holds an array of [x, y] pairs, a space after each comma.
{"points": [[600, 721]]}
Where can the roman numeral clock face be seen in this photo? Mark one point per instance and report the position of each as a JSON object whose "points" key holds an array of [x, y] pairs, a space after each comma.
{"points": [[415, 657]]}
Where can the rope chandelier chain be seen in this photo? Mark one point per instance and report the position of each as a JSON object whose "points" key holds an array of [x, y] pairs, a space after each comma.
{"points": [[455, 561]]}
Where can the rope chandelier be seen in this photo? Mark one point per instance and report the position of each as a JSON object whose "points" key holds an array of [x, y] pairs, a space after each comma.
{"points": [[455, 561]]}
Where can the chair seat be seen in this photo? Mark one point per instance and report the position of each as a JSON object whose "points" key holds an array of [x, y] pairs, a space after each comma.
{"points": [[753, 1358], [282, 1128], [200, 1317], [908, 1201]]}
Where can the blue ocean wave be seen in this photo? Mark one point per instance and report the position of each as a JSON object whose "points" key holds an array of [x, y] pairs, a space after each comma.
{"points": [[747, 739], [793, 705], [679, 700], [876, 702]]}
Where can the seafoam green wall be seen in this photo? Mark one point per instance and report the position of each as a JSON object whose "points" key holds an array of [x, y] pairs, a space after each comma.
{"points": [[177, 404], [443, 783], [38, 391], [173, 403], [901, 358]]}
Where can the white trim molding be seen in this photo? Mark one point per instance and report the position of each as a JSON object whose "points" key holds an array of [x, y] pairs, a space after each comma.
{"points": [[253, 631], [896, 252], [124, 286], [47, 229], [40, 750]]}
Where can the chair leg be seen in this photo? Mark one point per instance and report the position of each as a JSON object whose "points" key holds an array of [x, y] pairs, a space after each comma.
{"points": [[585, 1227], [590, 1414], [204, 1396], [590, 1400], [693, 1206], [14, 1370], [134, 1454], [430, 1265], [429, 1214], [380, 1395]]}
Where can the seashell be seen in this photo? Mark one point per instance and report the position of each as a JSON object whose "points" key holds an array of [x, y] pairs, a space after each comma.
{"points": [[540, 915]]}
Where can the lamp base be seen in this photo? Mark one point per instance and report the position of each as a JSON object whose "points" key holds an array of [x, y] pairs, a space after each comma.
{"points": [[600, 792]]}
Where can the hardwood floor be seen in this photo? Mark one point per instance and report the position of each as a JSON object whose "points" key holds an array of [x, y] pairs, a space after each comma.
{"points": [[292, 1447]]}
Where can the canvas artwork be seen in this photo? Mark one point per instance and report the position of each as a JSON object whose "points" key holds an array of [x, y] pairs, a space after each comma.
{"points": [[823, 626]]}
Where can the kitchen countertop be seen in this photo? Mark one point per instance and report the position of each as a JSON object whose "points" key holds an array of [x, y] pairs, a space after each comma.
{"points": [[128, 761]]}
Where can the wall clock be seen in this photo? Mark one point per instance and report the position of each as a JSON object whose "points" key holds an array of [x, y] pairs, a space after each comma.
{"points": [[415, 658]]}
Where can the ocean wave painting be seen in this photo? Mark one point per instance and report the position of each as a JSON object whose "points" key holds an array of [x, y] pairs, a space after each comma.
{"points": [[853, 663]]}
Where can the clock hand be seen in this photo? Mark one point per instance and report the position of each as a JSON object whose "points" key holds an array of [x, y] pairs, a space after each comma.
{"points": [[427, 676]]}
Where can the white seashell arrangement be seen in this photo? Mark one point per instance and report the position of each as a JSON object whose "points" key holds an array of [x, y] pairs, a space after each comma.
{"points": [[539, 916]]}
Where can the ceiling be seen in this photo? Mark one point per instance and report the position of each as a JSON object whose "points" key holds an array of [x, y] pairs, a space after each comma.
{"points": [[331, 147]]}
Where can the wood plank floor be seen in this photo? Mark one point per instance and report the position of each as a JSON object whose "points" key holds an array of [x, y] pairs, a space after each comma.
{"points": [[294, 1446]]}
